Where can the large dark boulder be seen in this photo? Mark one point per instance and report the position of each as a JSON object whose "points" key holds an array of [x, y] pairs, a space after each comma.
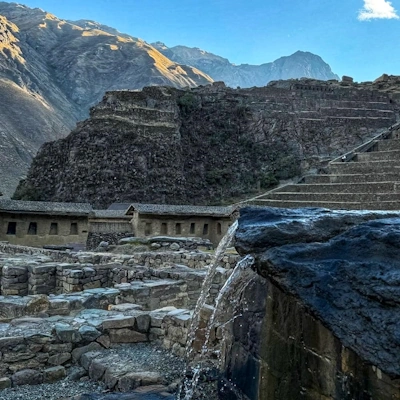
{"points": [[331, 321], [263, 228]]}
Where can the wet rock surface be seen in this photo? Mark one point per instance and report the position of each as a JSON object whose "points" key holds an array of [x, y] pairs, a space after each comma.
{"points": [[331, 289], [263, 228], [351, 283]]}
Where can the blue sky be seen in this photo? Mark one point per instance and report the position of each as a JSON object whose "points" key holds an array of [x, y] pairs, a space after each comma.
{"points": [[359, 38]]}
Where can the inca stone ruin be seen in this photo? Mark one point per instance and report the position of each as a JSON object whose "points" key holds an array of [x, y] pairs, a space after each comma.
{"points": [[137, 300]]}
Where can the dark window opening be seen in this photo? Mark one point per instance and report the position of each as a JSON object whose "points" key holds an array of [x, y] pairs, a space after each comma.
{"points": [[219, 229], [147, 229], [74, 228], [192, 228], [205, 229], [178, 228], [164, 228], [53, 228], [12, 228], [32, 230]]}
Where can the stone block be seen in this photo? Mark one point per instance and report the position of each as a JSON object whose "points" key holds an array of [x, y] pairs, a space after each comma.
{"points": [[133, 380], [80, 351], [32, 363], [143, 322], [54, 374], [59, 359], [97, 369], [27, 377], [37, 304], [11, 270], [119, 322], [57, 348], [125, 335], [104, 341], [125, 307], [10, 342], [67, 333], [18, 356], [5, 383], [89, 333], [87, 358], [41, 357]]}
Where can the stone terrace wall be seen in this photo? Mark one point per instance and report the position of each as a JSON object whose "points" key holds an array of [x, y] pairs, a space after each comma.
{"points": [[39, 350], [178, 136], [191, 259], [75, 272]]}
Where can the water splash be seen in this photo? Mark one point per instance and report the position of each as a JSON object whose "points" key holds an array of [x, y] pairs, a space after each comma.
{"points": [[189, 385], [219, 253]]}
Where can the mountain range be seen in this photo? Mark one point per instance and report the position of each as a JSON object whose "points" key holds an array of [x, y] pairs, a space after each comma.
{"points": [[52, 71], [298, 65]]}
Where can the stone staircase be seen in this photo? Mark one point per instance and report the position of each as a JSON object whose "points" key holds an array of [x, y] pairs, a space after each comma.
{"points": [[368, 178]]}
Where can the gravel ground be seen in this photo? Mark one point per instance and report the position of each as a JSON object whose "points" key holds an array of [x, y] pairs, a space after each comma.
{"points": [[54, 391], [141, 356]]}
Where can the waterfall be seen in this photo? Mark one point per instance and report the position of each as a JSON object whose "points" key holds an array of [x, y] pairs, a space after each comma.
{"points": [[189, 385]]}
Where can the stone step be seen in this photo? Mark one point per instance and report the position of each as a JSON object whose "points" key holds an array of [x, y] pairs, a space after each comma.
{"points": [[365, 167], [378, 156], [387, 144], [353, 178], [335, 197], [124, 368], [363, 187], [381, 205]]}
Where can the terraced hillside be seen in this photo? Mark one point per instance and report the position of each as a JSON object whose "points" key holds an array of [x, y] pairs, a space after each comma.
{"points": [[205, 145], [367, 178]]}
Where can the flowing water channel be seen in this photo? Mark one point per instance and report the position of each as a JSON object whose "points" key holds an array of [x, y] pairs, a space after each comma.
{"points": [[237, 282]]}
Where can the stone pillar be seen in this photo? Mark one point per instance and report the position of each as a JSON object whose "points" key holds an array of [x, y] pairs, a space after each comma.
{"points": [[42, 279], [14, 280]]}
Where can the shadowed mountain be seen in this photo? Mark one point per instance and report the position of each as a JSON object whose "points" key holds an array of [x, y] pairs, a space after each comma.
{"points": [[52, 71]]}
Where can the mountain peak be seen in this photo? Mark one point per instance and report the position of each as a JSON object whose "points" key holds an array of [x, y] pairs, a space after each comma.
{"points": [[299, 64]]}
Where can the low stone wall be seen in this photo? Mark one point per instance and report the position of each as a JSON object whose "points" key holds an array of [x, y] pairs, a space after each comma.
{"points": [[195, 259], [47, 348], [75, 277], [70, 278], [38, 273], [14, 280], [112, 238]]}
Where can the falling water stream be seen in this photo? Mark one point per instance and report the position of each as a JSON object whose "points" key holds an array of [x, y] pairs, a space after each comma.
{"points": [[189, 385]]}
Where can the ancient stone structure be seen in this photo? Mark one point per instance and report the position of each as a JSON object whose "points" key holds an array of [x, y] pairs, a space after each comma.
{"points": [[207, 144], [182, 221], [35, 223], [63, 309], [74, 225], [366, 178], [108, 226], [320, 319]]}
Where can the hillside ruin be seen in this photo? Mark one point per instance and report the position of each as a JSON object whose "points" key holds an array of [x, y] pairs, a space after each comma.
{"points": [[207, 145]]}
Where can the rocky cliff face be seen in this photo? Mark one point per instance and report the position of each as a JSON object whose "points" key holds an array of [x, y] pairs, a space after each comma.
{"points": [[320, 321], [206, 145], [52, 71], [298, 65]]}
